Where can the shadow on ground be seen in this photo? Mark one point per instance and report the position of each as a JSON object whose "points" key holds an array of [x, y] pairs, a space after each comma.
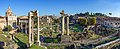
{"points": [[21, 44]]}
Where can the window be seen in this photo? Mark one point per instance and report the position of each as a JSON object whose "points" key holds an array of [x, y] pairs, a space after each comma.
{"points": [[115, 23], [111, 23]]}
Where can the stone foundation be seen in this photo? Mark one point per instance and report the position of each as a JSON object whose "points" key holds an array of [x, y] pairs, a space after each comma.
{"points": [[66, 39]]}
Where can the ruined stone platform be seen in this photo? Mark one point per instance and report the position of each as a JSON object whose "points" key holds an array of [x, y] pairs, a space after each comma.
{"points": [[66, 39]]}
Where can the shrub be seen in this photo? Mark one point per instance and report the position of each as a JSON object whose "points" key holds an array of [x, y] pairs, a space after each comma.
{"points": [[51, 40], [8, 28], [55, 41]]}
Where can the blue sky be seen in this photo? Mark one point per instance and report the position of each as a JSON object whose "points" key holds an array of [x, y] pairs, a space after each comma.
{"points": [[49, 7]]}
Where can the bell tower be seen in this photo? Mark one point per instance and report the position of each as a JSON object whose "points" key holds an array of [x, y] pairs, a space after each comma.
{"points": [[9, 12]]}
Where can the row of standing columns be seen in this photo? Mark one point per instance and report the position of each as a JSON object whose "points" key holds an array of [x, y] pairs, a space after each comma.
{"points": [[63, 23], [31, 16], [31, 28]]}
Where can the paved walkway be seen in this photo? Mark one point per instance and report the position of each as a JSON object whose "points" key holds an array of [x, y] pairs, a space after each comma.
{"points": [[13, 31]]}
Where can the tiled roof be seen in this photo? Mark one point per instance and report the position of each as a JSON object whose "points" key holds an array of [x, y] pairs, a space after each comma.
{"points": [[2, 17], [23, 17]]}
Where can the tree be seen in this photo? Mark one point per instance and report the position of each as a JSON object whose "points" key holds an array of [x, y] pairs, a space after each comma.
{"points": [[87, 13], [82, 21], [8, 28], [110, 13], [56, 20], [92, 21]]}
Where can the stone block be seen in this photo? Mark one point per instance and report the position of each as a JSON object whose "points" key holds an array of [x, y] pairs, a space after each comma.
{"points": [[66, 39]]}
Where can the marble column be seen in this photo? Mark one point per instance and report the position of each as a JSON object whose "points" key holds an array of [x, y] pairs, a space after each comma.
{"points": [[29, 15], [67, 25], [38, 34], [63, 17], [32, 31]]}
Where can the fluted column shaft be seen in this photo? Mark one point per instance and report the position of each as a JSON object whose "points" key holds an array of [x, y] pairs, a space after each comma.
{"points": [[38, 34], [63, 25], [30, 29], [67, 25]]}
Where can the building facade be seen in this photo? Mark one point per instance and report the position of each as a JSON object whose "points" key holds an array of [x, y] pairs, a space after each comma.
{"points": [[10, 18], [109, 22], [2, 22], [113, 24], [46, 19], [23, 24]]}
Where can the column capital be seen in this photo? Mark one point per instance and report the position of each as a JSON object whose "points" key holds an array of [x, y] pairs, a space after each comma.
{"points": [[62, 13], [30, 14]]}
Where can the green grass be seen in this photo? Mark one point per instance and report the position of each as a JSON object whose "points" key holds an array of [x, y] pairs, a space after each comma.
{"points": [[48, 40], [56, 47], [24, 39], [34, 46], [94, 37], [3, 38], [21, 40], [76, 29]]}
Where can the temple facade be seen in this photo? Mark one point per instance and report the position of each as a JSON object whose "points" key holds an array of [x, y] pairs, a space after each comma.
{"points": [[22, 22]]}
